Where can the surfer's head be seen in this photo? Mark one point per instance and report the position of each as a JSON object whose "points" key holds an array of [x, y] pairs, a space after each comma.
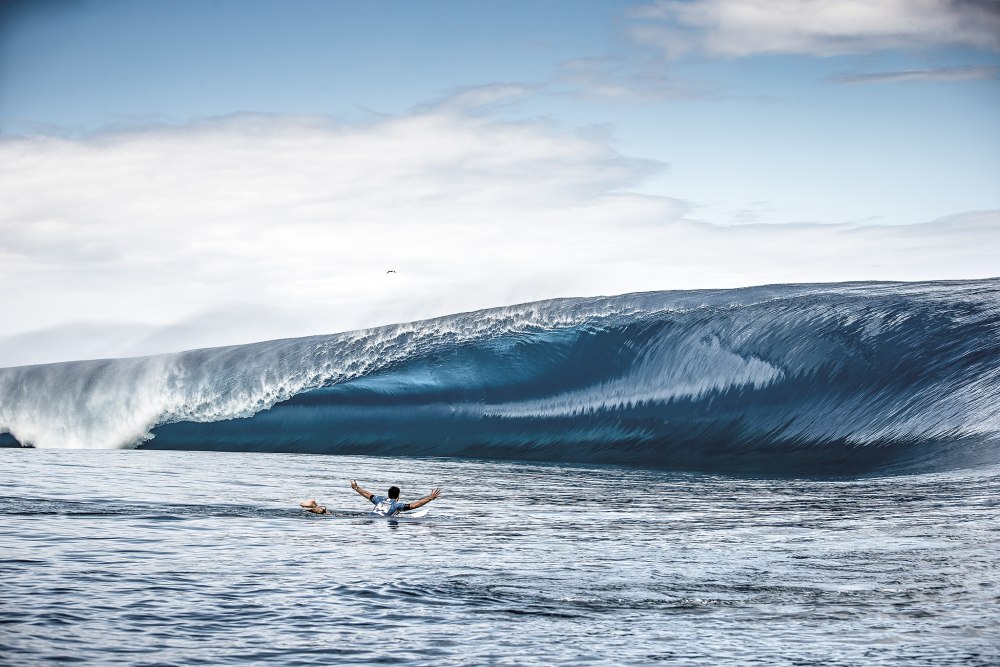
{"points": [[394, 492]]}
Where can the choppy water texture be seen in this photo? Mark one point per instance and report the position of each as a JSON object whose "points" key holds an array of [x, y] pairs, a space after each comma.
{"points": [[156, 557]]}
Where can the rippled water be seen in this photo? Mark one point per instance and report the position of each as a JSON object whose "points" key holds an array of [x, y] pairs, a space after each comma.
{"points": [[154, 557]]}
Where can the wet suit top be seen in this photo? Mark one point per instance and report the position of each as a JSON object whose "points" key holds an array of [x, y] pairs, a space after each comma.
{"points": [[387, 506]]}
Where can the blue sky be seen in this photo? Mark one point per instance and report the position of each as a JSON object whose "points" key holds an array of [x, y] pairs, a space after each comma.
{"points": [[622, 126], [86, 64]]}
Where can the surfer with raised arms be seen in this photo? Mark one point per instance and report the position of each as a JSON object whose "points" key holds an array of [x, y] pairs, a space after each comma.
{"points": [[385, 506]]}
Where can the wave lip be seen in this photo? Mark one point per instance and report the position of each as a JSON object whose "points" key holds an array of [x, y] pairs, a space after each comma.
{"points": [[803, 377]]}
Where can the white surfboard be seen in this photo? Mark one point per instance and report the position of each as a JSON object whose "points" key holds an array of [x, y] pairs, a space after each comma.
{"points": [[417, 513]]}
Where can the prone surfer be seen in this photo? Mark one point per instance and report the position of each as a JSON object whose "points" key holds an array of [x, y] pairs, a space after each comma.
{"points": [[387, 505], [313, 506]]}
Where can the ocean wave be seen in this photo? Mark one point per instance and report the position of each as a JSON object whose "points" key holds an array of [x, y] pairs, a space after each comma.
{"points": [[808, 377]]}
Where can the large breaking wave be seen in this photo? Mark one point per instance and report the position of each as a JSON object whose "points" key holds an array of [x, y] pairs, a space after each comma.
{"points": [[791, 378]]}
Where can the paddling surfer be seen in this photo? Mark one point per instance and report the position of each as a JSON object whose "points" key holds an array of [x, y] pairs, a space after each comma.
{"points": [[385, 506]]}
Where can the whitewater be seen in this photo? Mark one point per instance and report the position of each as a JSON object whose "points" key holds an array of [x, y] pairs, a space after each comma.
{"points": [[787, 378]]}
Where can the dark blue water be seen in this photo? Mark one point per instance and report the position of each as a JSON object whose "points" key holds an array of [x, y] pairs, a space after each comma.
{"points": [[183, 558]]}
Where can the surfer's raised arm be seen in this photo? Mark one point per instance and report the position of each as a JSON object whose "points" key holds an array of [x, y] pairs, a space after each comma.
{"points": [[356, 487], [423, 501]]}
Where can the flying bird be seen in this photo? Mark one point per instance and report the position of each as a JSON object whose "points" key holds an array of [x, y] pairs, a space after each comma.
{"points": [[390, 271]]}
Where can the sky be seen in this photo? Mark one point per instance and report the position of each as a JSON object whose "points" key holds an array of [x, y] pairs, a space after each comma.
{"points": [[207, 172]]}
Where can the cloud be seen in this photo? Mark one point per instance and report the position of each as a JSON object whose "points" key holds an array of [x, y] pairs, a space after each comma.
{"points": [[252, 227], [164, 224], [938, 74], [738, 28], [626, 80], [488, 97]]}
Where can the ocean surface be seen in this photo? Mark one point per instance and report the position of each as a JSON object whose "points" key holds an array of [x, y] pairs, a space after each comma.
{"points": [[187, 558], [789, 474]]}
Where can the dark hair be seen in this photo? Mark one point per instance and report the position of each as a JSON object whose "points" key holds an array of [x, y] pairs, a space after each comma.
{"points": [[394, 492]]}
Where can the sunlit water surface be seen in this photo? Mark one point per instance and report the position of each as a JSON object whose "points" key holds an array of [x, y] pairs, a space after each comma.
{"points": [[155, 557]]}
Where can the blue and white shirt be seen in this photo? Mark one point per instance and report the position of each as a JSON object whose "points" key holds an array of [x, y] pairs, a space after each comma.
{"points": [[387, 506]]}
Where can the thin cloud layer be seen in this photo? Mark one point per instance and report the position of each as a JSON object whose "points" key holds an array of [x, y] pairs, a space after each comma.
{"points": [[622, 80], [738, 28], [303, 214], [938, 74], [253, 227]]}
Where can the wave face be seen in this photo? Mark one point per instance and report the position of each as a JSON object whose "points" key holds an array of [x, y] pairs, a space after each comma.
{"points": [[790, 378]]}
